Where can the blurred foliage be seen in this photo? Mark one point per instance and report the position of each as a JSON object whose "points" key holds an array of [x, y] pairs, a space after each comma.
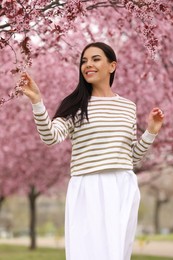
{"points": [[47, 229], [143, 210]]}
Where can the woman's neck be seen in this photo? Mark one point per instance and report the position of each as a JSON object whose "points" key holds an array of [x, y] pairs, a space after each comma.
{"points": [[105, 92]]}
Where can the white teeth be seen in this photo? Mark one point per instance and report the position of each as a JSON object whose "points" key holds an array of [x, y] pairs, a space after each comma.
{"points": [[90, 72]]}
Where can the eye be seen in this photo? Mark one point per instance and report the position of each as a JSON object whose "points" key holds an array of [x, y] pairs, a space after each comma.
{"points": [[83, 61], [96, 59]]}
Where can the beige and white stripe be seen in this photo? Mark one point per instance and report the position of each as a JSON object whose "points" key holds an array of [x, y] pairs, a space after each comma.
{"points": [[107, 141]]}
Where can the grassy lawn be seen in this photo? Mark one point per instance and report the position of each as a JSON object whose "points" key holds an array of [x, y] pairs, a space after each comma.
{"points": [[138, 257], [8, 252], [160, 237]]}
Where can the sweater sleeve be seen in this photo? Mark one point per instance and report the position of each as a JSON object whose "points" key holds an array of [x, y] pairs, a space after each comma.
{"points": [[141, 146], [51, 132]]}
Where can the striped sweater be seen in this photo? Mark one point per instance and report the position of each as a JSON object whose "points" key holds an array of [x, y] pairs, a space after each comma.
{"points": [[107, 141]]}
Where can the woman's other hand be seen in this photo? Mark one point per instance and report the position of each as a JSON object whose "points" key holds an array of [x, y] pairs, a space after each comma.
{"points": [[155, 120]]}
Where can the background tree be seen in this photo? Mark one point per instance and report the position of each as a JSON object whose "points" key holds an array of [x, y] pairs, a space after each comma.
{"points": [[27, 165], [158, 186]]}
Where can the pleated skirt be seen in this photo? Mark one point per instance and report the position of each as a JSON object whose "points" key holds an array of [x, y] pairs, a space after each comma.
{"points": [[101, 215]]}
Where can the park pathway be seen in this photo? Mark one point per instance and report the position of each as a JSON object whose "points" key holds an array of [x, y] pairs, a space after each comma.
{"points": [[155, 248]]}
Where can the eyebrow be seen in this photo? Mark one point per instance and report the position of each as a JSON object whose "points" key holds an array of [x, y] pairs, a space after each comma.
{"points": [[94, 56]]}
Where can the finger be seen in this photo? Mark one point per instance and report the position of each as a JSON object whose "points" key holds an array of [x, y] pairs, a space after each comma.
{"points": [[155, 113], [155, 108], [28, 76], [23, 82], [25, 76], [18, 88], [162, 115], [160, 112]]}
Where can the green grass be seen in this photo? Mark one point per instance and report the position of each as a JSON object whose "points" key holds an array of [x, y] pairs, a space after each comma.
{"points": [[159, 237], [138, 257], [8, 252]]}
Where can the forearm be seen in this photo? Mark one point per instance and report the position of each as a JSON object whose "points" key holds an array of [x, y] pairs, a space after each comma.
{"points": [[141, 146], [49, 133]]}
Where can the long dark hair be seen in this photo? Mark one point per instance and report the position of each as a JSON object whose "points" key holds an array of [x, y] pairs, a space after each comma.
{"points": [[78, 99]]}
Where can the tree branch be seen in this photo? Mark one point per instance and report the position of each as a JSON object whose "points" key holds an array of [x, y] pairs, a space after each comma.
{"points": [[52, 5], [56, 3], [4, 25], [110, 3]]}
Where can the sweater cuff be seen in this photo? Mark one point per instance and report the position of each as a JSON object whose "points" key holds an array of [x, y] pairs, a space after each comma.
{"points": [[38, 107], [148, 137]]}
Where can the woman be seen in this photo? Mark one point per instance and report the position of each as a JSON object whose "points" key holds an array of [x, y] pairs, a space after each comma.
{"points": [[103, 196]]}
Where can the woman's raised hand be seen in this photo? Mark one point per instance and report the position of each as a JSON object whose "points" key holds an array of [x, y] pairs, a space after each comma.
{"points": [[29, 88], [155, 120]]}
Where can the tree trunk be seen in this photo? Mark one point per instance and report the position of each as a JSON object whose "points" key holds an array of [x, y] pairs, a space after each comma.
{"points": [[32, 203], [159, 202], [156, 216], [1, 201]]}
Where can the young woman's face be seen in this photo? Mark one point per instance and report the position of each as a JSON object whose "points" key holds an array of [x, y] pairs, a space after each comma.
{"points": [[95, 66]]}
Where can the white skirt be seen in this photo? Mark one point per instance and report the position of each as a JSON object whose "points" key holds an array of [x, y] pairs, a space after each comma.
{"points": [[101, 215]]}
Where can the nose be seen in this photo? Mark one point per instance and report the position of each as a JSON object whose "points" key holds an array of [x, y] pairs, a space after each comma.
{"points": [[89, 64]]}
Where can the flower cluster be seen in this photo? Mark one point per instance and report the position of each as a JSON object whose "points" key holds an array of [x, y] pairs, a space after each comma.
{"points": [[146, 11], [15, 93], [45, 19], [73, 9]]}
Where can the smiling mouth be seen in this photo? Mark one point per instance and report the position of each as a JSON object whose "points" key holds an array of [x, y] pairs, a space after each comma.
{"points": [[90, 72]]}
